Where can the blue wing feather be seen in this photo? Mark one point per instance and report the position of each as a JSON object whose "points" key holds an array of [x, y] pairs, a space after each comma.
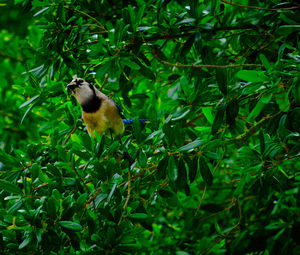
{"points": [[130, 121]]}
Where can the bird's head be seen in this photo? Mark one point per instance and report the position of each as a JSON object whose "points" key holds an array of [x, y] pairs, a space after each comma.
{"points": [[82, 90]]}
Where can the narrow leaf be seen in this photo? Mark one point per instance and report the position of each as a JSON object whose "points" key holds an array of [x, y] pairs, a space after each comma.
{"points": [[142, 159], [31, 100], [10, 187], [187, 46], [259, 107], [182, 175], [139, 216], [41, 11], [25, 242], [172, 169], [51, 208], [193, 167], [264, 61], [221, 76], [217, 121], [27, 111], [205, 172], [207, 111], [191, 145], [161, 168], [70, 225], [232, 110]]}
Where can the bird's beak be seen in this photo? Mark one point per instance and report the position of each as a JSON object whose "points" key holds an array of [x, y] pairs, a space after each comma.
{"points": [[71, 87]]}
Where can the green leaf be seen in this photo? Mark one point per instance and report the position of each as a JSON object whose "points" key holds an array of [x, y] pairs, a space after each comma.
{"points": [[51, 208], [276, 225], [296, 91], [265, 99], [34, 169], [191, 145], [193, 168], [265, 61], [147, 73], [70, 225], [207, 111], [113, 189], [251, 75], [25, 242], [41, 11], [182, 175], [27, 111], [218, 120], [187, 21], [288, 29], [98, 200], [10, 187], [31, 100], [142, 159], [172, 169], [127, 62], [187, 46], [240, 187], [139, 216], [221, 76], [180, 114], [16, 206], [262, 142], [205, 172], [162, 168], [283, 101], [137, 130], [166, 193], [232, 110]]}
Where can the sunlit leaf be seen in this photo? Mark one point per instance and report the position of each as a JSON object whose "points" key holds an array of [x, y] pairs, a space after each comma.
{"points": [[251, 75], [191, 145]]}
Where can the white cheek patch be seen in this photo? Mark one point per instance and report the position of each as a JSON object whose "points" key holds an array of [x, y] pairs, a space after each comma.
{"points": [[84, 94]]}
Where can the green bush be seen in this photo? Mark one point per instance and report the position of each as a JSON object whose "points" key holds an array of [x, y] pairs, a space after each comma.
{"points": [[216, 168]]}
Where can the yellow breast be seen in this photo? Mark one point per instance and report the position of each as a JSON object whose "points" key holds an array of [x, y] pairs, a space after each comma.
{"points": [[105, 119]]}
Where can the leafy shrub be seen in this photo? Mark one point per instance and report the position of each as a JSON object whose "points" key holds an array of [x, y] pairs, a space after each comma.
{"points": [[216, 169]]}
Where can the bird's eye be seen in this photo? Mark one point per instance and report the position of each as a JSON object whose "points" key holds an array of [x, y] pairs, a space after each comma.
{"points": [[79, 81]]}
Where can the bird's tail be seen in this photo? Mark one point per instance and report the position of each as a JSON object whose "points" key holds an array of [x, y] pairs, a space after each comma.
{"points": [[130, 121]]}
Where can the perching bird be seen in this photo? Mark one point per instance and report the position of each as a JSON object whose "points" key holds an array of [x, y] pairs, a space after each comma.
{"points": [[100, 113]]}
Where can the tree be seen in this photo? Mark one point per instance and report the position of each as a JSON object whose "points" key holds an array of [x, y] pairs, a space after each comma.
{"points": [[216, 168]]}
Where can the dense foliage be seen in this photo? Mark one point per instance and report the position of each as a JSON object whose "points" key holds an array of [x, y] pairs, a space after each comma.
{"points": [[216, 168]]}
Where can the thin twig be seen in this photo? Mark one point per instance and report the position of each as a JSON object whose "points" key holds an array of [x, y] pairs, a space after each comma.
{"points": [[206, 66], [219, 162], [204, 191], [74, 170], [128, 189], [191, 122], [87, 15], [69, 136], [202, 198], [104, 82], [40, 186], [197, 66], [227, 234], [294, 156]]}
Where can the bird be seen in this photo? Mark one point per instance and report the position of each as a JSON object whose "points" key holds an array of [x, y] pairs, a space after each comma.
{"points": [[99, 112]]}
